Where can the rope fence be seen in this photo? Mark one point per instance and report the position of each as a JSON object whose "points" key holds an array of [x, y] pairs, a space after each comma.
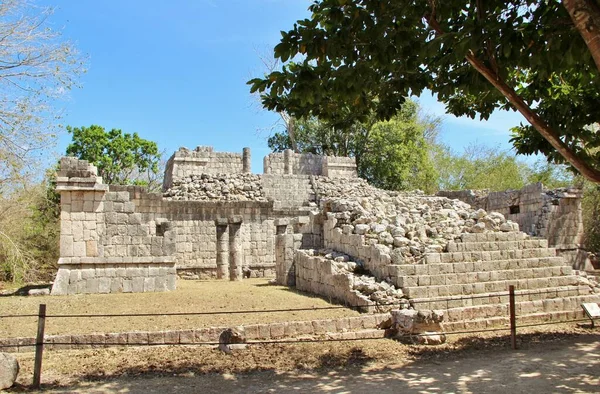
{"points": [[511, 295]]}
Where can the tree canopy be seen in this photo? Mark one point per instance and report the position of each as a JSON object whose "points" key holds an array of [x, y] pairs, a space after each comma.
{"points": [[121, 158], [36, 68], [541, 58]]}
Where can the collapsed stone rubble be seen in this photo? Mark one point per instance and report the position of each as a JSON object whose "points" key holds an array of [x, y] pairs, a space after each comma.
{"points": [[217, 187]]}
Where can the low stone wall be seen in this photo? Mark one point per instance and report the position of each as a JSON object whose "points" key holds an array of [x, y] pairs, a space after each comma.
{"points": [[203, 159], [120, 275], [317, 275], [290, 163], [350, 327]]}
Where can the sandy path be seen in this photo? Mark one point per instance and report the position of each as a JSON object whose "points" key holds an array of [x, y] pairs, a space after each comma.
{"points": [[567, 366]]}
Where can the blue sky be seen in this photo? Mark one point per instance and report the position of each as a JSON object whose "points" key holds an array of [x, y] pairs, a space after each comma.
{"points": [[175, 72]]}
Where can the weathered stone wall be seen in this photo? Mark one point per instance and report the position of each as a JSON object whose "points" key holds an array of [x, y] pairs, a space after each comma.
{"points": [[105, 245], [339, 167], [203, 159], [318, 275], [195, 229], [302, 232], [290, 163], [288, 191], [551, 214]]}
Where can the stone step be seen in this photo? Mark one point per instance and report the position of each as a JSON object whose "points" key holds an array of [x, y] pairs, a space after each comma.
{"points": [[461, 301], [487, 287], [430, 268], [504, 321], [482, 276], [458, 257], [492, 237], [529, 312], [541, 305], [488, 246]]}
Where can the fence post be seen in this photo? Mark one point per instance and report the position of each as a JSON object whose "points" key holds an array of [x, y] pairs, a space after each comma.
{"points": [[513, 320], [39, 347]]}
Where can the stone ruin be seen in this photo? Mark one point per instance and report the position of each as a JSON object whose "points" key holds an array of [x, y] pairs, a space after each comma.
{"points": [[310, 222]]}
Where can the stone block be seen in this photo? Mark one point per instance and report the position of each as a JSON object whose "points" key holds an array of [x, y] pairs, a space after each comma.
{"points": [[277, 330], [116, 338], [104, 285], [137, 338], [137, 284], [187, 337], [91, 286], [149, 284]]}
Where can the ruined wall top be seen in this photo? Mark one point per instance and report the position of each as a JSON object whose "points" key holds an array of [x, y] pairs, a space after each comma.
{"points": [[290, 163], [204, 160], [75, 174]]}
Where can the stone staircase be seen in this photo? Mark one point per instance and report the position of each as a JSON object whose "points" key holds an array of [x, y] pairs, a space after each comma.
{"points": [[470, 282]]}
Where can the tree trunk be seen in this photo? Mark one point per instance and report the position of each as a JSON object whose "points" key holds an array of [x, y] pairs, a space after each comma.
{"points": [[538, 123], [586, 17]]}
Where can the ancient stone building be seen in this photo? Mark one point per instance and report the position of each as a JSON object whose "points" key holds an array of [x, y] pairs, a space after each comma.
{"points": [[310, 222]]}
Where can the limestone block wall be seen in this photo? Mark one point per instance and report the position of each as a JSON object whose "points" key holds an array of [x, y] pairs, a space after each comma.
{"points": [[317, 275], [203, 159], [288, 191], [105, 245], [339, 167], [375, 258], [552, 214], [302, 232], [196, 231], [288, 163]]}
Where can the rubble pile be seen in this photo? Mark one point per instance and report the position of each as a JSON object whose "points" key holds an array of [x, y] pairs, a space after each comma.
{"points": [[410, 224], [217, 187]]}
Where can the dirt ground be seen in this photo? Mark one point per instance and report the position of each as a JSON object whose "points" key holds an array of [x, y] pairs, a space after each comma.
{"points": [[190, 296], [557, 360]]}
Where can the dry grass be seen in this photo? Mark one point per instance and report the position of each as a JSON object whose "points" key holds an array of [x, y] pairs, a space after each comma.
{"points": [[191, 296]]}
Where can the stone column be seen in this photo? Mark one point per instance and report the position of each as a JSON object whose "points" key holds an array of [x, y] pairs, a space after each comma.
{"points": [[246, 162], [236, 251], [288, 167], [222, 248], [285, 270]]}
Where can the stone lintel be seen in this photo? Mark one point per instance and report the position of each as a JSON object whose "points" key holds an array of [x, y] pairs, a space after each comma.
{"points": [[84, 187], [116, 260], [200, 160], [236, 219], [221, 222], [282, 222]]}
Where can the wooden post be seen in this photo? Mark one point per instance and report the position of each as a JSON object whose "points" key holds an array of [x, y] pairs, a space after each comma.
{"points": [[39, 347], [513, 320]]}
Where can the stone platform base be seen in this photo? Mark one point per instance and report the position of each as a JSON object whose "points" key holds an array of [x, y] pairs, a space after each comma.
{"points": [[134, 275], [205, 273]]}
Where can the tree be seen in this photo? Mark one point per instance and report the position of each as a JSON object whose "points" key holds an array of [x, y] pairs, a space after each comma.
{"points": [[121, 158], [482, 167], [540, 58], [36, 68], [391, 154]]}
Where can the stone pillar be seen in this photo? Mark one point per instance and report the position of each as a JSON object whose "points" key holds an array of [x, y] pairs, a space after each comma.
{"points": [[222, 248], [285, 270], [236, 251], [288, 167], [246, 162]]}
